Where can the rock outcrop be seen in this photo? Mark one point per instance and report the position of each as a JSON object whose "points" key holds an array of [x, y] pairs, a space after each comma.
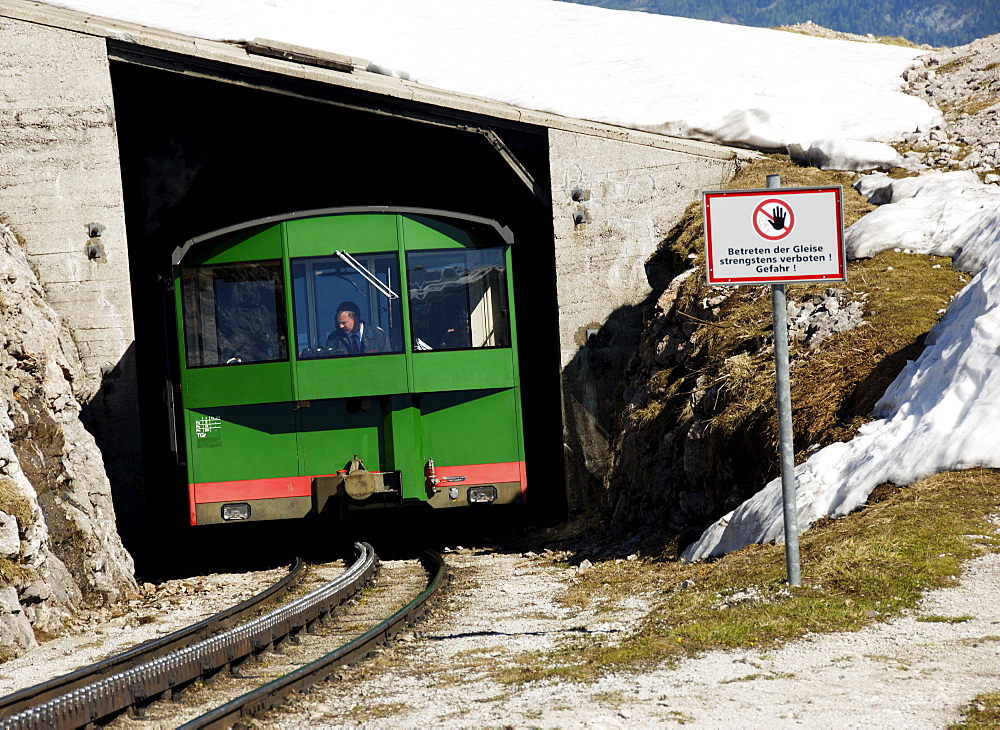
{"points": [[59, 546]]}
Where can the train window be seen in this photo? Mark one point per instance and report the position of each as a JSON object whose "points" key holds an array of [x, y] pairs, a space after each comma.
{"points": [[458, 299], [234, 313], [347, 305]]}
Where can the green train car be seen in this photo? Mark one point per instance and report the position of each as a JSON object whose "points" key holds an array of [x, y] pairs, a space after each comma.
{"points": [[347, 359]]}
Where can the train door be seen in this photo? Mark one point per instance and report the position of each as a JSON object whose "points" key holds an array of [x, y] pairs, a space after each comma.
{"points": [[463, 369], [348, 336]]}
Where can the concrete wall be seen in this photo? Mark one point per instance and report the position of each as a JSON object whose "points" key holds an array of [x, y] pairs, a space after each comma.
{"points": [[59, 172], [633, 195]]}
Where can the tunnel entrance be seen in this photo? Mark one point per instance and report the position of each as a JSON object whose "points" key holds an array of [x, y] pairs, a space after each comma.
{"points": [[198, 154]]}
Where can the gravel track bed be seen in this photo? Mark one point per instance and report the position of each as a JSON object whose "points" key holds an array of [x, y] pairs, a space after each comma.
{"points": [[158, 610], [501, 606], [903, 673], [397, 583]]}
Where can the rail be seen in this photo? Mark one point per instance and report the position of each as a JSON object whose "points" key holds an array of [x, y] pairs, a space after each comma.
{"points": [[146, 677], [28, 697], [272, 694]]}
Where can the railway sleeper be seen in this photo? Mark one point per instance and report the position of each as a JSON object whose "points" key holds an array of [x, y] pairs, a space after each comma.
{"points": [[260, 646], [134, 712], [212, 676]]}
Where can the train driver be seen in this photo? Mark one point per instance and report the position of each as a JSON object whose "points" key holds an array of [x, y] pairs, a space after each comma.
{"points": [[353, 336]]}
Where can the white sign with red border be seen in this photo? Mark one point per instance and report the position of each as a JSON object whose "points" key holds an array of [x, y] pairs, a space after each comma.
{"points": [[774, 236]]}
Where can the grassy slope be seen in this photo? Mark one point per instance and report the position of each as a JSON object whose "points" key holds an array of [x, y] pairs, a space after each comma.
{"points": [[727, 364], [832, 389]]}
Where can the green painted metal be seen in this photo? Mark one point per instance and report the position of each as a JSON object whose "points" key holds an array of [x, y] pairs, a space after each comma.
{"points": [[515, 356], [242, 442], [229, 385], [403, 438], [349, 376], [421, 232], [470, 426], [256, 244], [332, 432], [322, 236], [463, 370], [309, 416]]}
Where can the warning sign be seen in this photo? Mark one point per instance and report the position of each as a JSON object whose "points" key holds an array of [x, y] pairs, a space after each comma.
{"points": [[773, 219], [774, 236]]}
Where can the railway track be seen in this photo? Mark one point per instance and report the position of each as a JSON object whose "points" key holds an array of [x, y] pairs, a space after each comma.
{"points": [[17, 702], [197, 669], [401, 596]]}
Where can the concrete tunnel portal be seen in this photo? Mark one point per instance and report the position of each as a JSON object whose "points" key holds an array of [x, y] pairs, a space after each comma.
{"points": [[198, 154], [153, 137]]}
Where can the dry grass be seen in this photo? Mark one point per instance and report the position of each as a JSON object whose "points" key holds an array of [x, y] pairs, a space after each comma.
{"points": [[868, 566], [982, 712], [835, 388], [13, 504], [883, 40]]}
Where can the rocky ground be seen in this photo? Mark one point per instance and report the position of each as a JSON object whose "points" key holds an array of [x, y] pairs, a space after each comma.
{"points": [[903, 673], [59, 548], [964, 83], [154, 611], [505, 605]]}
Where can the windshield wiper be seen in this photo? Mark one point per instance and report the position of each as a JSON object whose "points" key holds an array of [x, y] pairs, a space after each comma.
{"points": [[369, 276]]}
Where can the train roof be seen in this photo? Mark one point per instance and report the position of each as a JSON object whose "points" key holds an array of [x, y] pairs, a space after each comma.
{"points": [[501, 230]]}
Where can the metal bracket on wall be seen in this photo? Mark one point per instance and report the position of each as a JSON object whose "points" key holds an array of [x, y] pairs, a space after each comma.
{"points": [[95, 251]]}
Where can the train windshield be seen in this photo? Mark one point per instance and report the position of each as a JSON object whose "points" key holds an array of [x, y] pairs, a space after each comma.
{"points": [[347, 305], [458, 299], [234, 313]]}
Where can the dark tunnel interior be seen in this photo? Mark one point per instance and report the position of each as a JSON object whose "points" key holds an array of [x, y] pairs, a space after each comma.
{"points": [[199, 154]]}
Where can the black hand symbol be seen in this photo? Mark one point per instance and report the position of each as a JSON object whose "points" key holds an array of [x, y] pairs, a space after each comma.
{"points": [[777, 220]]}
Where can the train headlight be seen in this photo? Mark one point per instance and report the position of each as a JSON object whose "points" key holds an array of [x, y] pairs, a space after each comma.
{"points": [[482, 495], [236, 511]]}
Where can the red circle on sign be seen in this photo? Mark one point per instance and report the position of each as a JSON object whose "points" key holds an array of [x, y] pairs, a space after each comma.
{"points": [[776, 223]]}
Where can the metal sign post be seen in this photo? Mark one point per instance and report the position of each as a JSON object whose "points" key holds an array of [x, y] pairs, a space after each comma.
{"points": [[777, 236], [783, 388]]}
